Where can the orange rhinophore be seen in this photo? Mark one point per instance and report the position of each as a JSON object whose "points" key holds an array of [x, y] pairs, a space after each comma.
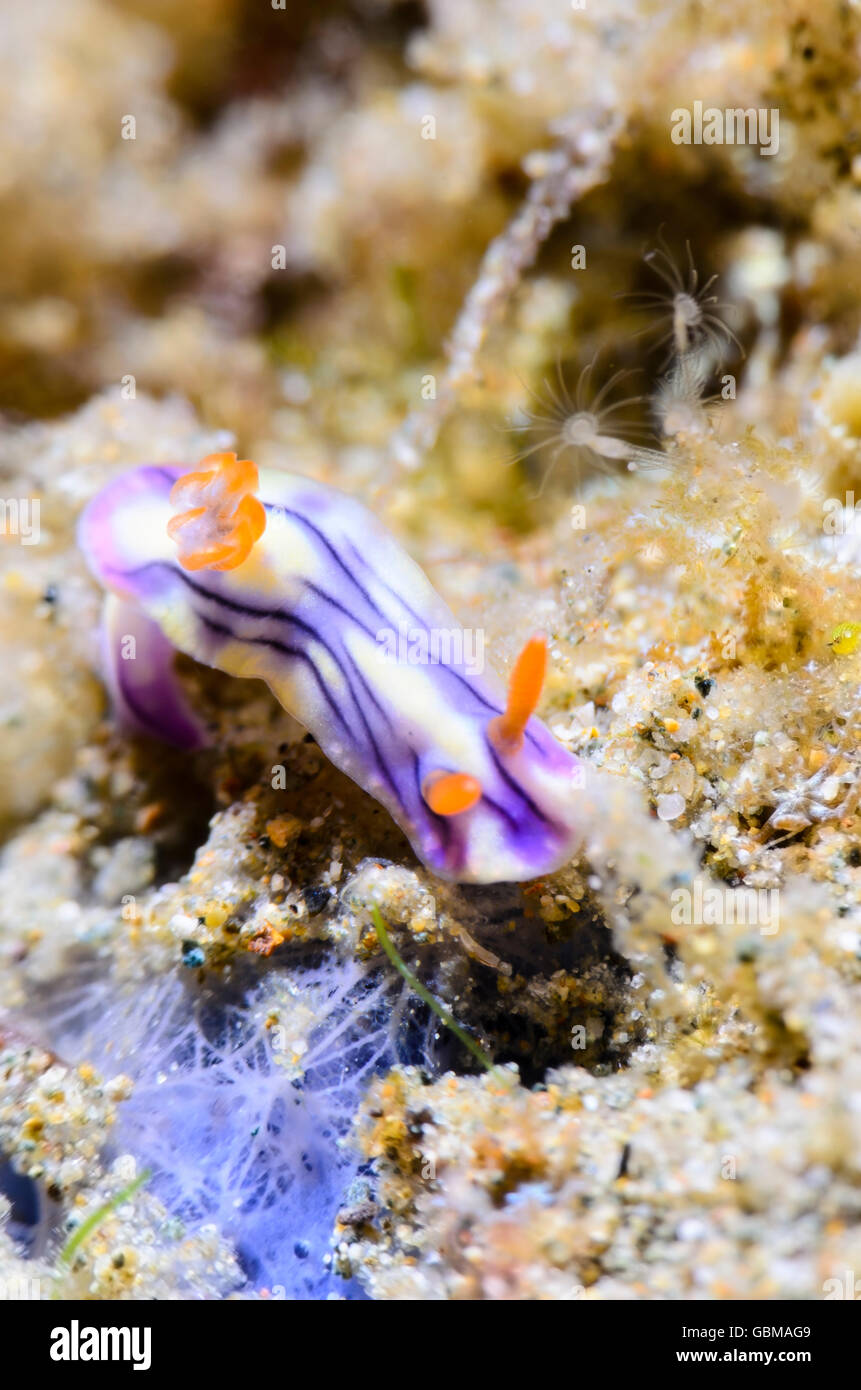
{"points": [[223, 519], [449, 793], [524, 691]]}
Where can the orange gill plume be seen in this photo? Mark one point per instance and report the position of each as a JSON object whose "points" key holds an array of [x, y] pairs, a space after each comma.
{"points": [[524, 691], [222, 519]]}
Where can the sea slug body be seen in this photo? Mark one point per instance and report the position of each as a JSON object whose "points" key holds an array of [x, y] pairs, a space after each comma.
{"points": [[302, 587]]}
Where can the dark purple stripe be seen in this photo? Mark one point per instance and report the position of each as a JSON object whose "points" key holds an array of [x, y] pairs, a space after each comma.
{"points": [[458, 675], [327, 545], [249, 611], [384, 715], [423, 625], [281, 647], [513, 786], [297, 652], [341, 608]]}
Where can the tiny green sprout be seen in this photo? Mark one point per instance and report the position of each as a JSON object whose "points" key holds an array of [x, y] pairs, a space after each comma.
{"points": [[95, 1219], [844, 638], [418, 988]]}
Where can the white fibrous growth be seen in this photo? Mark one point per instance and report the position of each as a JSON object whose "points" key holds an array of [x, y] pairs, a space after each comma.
{"points": [[680, 402], [244, 1097], [690, 317], [582, 427]]}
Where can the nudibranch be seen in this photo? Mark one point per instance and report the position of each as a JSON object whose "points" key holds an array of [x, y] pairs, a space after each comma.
{"points": [[279, 577]]}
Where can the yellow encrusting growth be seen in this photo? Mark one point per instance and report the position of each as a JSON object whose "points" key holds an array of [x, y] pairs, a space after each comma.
{"points": [[844, 638]]}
